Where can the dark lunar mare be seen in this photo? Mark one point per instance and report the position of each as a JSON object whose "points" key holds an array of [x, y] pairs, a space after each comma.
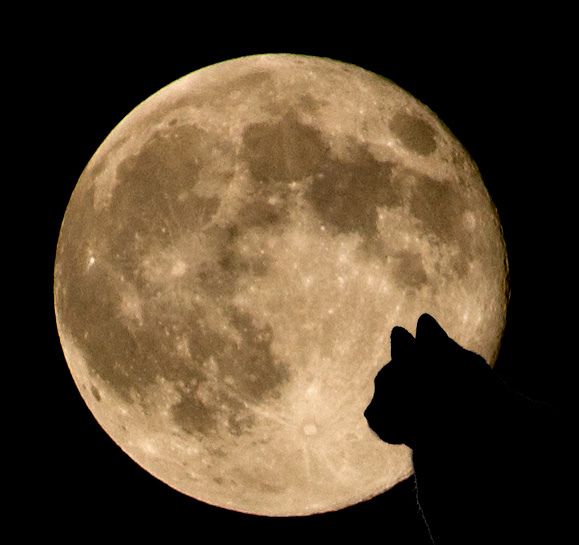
{"points": [[154, 208], [488, 463], [156, 190]]}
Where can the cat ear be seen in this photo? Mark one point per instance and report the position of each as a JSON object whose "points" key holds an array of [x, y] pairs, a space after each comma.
{"points": [[402, 343], [429, 332]]}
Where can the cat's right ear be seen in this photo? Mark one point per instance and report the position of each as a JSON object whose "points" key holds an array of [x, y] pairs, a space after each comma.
{"points": [[402, 343], [429, 332]]}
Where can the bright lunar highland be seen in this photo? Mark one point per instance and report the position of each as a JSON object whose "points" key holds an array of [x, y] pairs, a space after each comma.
{"points": [[231, 263]]}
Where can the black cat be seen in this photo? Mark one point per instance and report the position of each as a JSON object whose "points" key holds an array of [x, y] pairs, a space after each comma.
{"points": [[487, 461]]}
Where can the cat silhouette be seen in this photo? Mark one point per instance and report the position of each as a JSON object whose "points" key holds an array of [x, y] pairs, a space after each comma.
{"points": [[486, 459]]}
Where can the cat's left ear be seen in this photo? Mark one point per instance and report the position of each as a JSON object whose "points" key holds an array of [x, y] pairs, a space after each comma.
{"points": [[402, 344]]}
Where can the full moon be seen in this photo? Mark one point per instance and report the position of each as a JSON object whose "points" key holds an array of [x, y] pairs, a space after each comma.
{"points": [[233, 258]]}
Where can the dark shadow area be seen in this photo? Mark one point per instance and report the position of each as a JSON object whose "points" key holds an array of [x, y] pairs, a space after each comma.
{"points": [[490, 463]]}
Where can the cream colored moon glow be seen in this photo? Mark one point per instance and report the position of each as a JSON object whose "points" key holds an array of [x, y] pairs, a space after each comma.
{"points": [[232, 261]]}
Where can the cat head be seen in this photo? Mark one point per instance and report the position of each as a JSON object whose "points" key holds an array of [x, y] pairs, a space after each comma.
{"points": [[428, 382]]}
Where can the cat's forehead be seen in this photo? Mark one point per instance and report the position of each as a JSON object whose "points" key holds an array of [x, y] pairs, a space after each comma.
{"points": [[390, 368]]}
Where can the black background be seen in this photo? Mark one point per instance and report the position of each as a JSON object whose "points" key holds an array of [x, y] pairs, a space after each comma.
{"points": [[502, 87]]}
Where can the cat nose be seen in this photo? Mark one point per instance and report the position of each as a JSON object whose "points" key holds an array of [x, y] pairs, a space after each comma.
{"points": [[369, 412]]}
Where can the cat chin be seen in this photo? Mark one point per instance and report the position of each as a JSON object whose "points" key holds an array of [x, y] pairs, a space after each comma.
{"points": [[393, 438]]}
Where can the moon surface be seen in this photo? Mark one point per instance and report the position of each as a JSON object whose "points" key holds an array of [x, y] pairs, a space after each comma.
{"points": [[231, 263]]}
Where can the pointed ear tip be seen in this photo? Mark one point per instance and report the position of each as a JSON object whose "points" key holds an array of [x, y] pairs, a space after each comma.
{"points": [[399, 332], [427, 323], [425, 317]]}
